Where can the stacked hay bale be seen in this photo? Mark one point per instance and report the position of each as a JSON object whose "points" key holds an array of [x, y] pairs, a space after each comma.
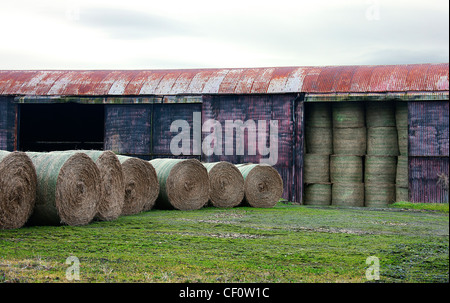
{"points": [[18, 183], [68, 188], [319, 146], [263, 186], [349, 147], [401, 119], [382, 152]]}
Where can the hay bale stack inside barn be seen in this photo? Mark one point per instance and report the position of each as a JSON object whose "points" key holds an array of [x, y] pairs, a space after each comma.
{"points": [[318, 147], [382, 152], [401, 119], [263, 185], [349, 147], [141, 185], [18, 183], [226, 184], [184, 184], [68, 188]]}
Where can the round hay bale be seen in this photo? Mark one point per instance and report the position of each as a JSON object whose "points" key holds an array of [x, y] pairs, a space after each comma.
{"points": [[68, 188], [347, 194], [346, 169], [113, 186], [380, 169], [184, 184], [379, 194], [18, 183], [401, 194], [316, 168], [380, 114], [382, 141], [226, 184], [318, 194], [319, 140], [348, 114], [401, 114], [402, 137], [141, 185], [401, 178], [318, 115], [263, 185], [349, 141]]}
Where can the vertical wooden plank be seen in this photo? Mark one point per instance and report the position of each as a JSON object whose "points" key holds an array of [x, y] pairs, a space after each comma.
{"points": [[428, 128], [127, 129], [250, 109], [299, 148], [424, 179], [166, 114], [8, 134]]}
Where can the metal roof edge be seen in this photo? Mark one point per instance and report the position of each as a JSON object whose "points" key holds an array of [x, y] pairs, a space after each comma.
{"points": [[398, 96]]}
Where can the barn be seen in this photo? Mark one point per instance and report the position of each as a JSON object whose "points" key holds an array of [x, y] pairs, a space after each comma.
{"points": [[378, 132]]}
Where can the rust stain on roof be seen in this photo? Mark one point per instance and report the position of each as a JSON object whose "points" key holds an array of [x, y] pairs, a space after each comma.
{"points": [[327, 79]]}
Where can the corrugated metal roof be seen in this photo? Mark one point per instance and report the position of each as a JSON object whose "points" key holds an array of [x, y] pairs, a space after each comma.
{"points": [[327, 79]]}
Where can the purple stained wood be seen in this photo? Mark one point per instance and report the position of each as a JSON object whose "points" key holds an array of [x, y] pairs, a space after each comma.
{"points": [[428, 128], [8, 112], [424, 184], [162, 118], [127, 129], [253, 112]]}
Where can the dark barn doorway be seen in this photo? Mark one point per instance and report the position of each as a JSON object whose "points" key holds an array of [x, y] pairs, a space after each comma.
{"points": [[61, 126]]}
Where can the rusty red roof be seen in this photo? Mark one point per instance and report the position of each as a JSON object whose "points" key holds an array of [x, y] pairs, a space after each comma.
{"points": [[327, 79]]}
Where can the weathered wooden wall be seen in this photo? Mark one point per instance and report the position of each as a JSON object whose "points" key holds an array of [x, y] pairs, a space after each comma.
{"points": [[128, 129], [428, 150], [163, 116], [144, 130], [282, 108], [428, 128], [8, 118]]}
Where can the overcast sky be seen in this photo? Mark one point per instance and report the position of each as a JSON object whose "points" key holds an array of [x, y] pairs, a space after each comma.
{"points": [[175, 34]]}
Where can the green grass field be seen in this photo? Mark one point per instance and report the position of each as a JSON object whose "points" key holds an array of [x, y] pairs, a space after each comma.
{"points": [[287, 243]]}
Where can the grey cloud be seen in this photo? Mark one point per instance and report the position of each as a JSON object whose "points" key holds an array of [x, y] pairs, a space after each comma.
{"points": [[130, 24]]}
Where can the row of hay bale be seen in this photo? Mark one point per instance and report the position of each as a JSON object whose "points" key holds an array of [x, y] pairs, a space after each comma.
{"points": [[76, 187], [355, 154]]}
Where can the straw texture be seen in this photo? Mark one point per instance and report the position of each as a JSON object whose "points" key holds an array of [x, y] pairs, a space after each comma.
{"points": [[348, 114], [226, 184], [263, 185], [18, 183], [347, 194], [184, 184], [349, 141], [68, 188], [141, 185], [316, 168], [318, 194]]}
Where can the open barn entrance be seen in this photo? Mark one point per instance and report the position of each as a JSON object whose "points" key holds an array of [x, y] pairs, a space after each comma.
{"points": [[61, 126]]}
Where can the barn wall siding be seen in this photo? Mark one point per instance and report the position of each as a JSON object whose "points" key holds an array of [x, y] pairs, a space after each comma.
{"points": [[162, 118], [428, 128], [265, 108], [428, 150], [424, 179], [128, 129], [8, 114]]}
